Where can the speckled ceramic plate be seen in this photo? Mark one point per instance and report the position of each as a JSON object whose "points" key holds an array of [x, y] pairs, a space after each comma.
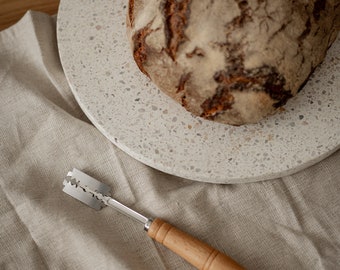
{"points": [[131, 112]]}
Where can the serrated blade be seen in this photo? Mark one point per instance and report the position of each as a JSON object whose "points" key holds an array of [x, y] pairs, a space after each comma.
{"points": [[96, 194], [76, 183]]}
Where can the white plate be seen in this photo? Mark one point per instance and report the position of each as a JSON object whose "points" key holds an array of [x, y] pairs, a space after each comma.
{"points": [[131, 112]]}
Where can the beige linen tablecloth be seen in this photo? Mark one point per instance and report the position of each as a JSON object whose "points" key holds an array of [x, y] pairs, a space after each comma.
{"points": [[287, 223]]}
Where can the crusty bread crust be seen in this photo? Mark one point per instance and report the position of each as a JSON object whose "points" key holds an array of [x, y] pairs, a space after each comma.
{"points": [[231, 61]]}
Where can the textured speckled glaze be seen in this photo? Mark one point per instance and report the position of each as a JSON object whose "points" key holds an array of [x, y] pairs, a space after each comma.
{"points": [[148, 125]]}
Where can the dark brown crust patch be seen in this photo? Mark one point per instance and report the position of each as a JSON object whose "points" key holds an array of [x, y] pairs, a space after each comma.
{"points": [[245, 16], [221, 101], [130, 11], [176, 16], [182, 81], [319, 6], [305, 32], [184, 101], [197, 51], [140, 49], [265, 79]]}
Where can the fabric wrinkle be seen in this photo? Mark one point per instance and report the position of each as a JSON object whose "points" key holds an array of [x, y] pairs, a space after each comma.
{"points": [[21, 223]]}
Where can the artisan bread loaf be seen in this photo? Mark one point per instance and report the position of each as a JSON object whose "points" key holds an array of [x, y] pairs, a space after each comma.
{"points": [[231, 61]]}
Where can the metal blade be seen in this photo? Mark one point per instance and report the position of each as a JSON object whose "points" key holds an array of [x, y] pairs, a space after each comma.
{"points": [[77, 183], [90, 182], [97, 195]]}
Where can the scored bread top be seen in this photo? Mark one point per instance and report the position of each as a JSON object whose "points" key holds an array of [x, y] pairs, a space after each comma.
{"points": [[231, 61]]}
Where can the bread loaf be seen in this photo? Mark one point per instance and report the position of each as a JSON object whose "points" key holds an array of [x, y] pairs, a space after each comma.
{"points": [[231, 61]]}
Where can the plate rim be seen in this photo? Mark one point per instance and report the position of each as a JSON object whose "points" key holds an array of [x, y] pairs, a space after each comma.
{"points": [[148, 161]]}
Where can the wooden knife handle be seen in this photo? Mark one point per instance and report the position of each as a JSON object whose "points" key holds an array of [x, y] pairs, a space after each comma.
{"points": [[199, 254]]}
